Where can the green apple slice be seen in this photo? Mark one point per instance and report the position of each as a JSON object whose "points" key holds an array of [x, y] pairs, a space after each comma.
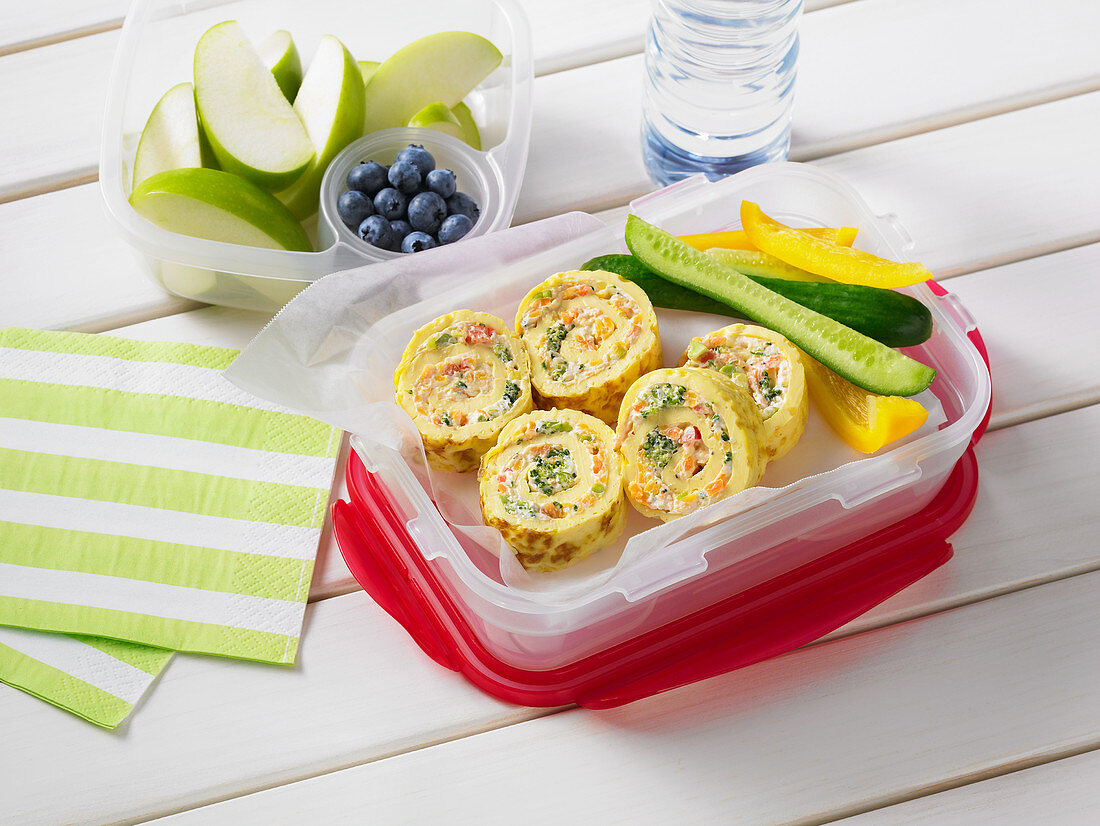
{"points": [[469, 129], [367, 68], [170, 139], [330, 104], [252, 129], [218, 206], [280, 56], [438, 117], [442, 67]]}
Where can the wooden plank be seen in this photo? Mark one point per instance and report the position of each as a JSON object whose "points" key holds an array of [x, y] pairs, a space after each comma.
{"points": [[1066, 792], [958, 183], [840, 104], [913, 66], [817, 734], [54, 97], [1054, 296], [923, 79], [362, 690], [962, 192], [66, 266], [26, 25], [611, 29]]}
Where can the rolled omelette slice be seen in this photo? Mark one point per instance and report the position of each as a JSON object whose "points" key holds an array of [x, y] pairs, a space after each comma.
{"points": [[552, 485], [589, 335], [773, 368], [462, 378], [688, 438]]}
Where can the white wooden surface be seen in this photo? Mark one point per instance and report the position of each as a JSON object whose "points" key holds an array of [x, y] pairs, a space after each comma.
{"points": [[977, 131], [362, 690], [1053, 296], [1066, 792], [825, 731], [26, 25]]}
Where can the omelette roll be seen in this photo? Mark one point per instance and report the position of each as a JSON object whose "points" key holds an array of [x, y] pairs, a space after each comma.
{"points": [[771, 365], [552, 486], [688, 438], [462, 378], [589, 335]]}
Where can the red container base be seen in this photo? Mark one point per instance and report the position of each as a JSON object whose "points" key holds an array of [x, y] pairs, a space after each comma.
{"points": [[769, 619]]}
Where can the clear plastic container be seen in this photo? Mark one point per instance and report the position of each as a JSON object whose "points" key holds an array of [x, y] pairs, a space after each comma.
{"points": [[156, 51], [719, 85], [686, 565]]}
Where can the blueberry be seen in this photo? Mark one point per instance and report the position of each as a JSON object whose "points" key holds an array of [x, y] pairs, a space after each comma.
{"points": [[461, 204], [441, 182], [390, 204], [454, 228], [353, 207], [400, 229], [417, 242], [367, 177], [376, 230], [405, 177], [426, 212], [418, 155]]}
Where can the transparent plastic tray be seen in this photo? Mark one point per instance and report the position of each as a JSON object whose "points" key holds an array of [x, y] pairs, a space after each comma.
{"points": [[156, 51], [820, 497]]}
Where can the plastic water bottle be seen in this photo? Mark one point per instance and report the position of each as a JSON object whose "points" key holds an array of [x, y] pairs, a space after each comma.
{"points": [[719, 85]]}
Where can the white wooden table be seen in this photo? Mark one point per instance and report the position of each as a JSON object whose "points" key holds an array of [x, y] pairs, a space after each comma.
{"points": [[973, 696]]}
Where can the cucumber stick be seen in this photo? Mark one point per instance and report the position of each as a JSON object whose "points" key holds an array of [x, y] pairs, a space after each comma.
{"points": [[893, 318], [861, 360]]}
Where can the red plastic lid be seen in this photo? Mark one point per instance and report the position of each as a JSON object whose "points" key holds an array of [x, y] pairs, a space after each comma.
{"points": [[764, 621]]}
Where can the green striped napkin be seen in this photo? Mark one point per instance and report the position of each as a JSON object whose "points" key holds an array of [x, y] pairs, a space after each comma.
{"points": [[145, 498], [95, 678]]}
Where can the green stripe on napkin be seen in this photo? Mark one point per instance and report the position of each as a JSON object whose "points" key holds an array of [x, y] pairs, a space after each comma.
{"points": [[152, 487], [191, 566], [160, 632], [185, 418], [174, 352]]}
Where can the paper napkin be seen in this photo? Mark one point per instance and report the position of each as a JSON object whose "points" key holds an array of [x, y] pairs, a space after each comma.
{"points": [[144, 498], [94, 678]]}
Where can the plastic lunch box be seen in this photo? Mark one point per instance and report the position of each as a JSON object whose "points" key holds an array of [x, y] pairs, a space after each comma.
{"points": [[781, 573], [156, 50]]}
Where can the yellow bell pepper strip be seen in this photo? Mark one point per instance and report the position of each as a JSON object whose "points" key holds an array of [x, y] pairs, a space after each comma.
{"points": [[802, 250], [866, 421], [845, 236], [736, 239]]}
